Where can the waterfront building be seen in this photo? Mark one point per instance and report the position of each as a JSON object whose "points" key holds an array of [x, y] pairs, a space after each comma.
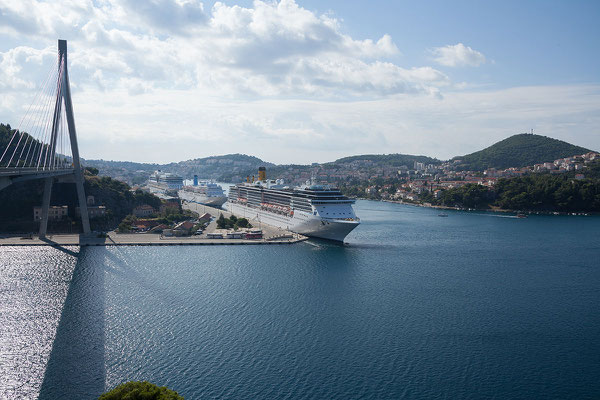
{"points": [[172, 205], [144, 210], [183, 228], [55, 213], [93, 211]]}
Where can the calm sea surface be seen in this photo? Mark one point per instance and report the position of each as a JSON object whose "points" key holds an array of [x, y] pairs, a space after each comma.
{"points": [[414, 306]]}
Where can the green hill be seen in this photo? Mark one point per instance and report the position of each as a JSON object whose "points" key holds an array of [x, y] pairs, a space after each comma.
{"points": [[519, 151], [395, 160]]}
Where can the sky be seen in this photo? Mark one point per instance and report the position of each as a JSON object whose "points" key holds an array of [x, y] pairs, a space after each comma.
{"points": [[295, 81]]}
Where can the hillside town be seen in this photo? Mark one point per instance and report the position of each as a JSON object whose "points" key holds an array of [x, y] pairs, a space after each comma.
{"points": [[437, 178]]}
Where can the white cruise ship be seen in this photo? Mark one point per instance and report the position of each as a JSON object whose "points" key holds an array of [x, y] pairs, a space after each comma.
{"points": [[312, 210], [203, 192], [164, 182]]}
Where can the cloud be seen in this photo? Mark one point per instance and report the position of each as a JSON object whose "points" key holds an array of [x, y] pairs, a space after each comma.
{"points": [[188, 124], [175, 16], [272, 79], [19, 67], [458, 55], [269, 49]]}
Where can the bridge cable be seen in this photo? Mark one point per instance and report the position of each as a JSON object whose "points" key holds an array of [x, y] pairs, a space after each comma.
{"points": [[47, 155], [44, 132], [29, 122], [41, 120], [42, 146], [18, 131], [49, 147], [22, 119], [38, 126], [47, 127]]}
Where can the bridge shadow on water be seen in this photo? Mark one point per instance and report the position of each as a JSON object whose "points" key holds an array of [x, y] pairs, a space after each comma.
{"points": [[59, 247], [76, 367]]}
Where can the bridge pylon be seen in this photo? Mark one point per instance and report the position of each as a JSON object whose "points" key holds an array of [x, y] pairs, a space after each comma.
{"points": [[63, 94]]}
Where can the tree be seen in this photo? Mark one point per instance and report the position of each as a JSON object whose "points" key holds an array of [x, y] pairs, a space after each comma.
{"points": [[242, 223], [127, 223], [91, 171], [232, 222], [221, 222], [140, 391]]}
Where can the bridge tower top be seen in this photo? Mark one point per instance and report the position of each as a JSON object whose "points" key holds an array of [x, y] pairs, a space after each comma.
{"points": [[62, 49]]}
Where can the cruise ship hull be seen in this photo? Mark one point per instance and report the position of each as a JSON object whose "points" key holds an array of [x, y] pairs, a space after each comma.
{"points": [[213, 201], [301, 222]]}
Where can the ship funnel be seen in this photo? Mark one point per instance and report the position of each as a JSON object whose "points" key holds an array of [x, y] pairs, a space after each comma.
{"points": [[262, 174], [248, 178], [195, 180]]}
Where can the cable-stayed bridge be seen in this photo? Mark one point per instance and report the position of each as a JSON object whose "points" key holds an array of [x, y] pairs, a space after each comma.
{"points": [[44, 146]]}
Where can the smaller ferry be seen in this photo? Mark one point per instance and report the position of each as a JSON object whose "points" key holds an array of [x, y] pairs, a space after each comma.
{"points": [[203, 192]]}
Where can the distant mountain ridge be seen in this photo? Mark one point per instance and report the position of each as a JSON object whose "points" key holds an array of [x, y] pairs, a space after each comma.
{"points": [[515, 151], [222, 168], [519, 151], [395, 160], [235, 167]]}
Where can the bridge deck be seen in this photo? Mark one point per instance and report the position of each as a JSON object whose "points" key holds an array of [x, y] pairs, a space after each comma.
{"points": [[8, 172]]}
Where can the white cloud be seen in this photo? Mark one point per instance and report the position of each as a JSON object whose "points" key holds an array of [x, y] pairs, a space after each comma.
{"points": [[274, 80], [19, 67], [457, 55], [272, 48]]}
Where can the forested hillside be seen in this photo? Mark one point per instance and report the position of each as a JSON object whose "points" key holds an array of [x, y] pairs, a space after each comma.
{"points": [[535, 192], [18, 200], [391, 160], [519, 151]]}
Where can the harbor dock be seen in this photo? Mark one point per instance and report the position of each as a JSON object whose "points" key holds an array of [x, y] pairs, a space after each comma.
{"points": [[271, 235], [137, 239]]}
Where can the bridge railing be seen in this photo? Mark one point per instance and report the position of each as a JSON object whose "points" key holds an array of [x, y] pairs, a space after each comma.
{"points": [[12, 171]]}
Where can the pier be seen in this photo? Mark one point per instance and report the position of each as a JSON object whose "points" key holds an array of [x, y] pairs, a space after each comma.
{"points": [[137, 239], [271, 235]]}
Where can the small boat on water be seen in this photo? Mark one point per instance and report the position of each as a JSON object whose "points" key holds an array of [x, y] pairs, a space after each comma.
{"points": [[442, 215], [521, 215]]}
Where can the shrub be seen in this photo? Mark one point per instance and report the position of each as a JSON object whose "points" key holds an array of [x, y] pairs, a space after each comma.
{"points": [[140, 391]]}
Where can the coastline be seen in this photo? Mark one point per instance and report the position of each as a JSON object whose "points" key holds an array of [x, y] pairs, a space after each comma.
{"points": [[492, 209]]}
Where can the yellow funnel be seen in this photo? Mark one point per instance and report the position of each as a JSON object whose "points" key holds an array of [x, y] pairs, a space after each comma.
{"points": [[262, 174]]}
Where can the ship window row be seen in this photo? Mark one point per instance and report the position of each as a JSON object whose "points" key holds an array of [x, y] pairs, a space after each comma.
{"points": [[303, 208], [302, 203], [280, 200], [332, 202], [309, 196]]}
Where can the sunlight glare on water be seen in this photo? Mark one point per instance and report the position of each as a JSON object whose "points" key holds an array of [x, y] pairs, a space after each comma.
{"points": [[33, 286]]}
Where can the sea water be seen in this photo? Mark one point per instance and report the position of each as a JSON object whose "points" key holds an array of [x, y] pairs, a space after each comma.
{"points": [[475, 305]]}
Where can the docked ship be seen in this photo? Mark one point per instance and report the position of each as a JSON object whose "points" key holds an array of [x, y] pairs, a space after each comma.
{"points": [[164, 182], [312, 210], [203, 192]]}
